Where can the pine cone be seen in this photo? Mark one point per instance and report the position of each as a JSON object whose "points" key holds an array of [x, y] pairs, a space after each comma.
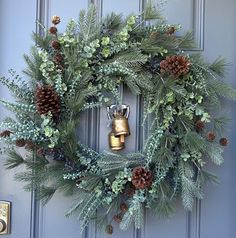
{"points": [[211, 136], [20, 142], [56, 20], [109, 229], [141, 178], [223, 141], [56, 45], [58, 58], [171, 30], [123, 207], [5, 133], [47, 101], [176, 65], [117, 218], [53, 30], [199, 125]]}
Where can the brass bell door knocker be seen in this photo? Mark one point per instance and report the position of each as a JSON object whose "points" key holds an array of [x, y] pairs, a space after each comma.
{"points": [[118, 116]]}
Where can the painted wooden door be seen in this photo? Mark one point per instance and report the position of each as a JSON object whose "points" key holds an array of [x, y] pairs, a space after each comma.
{"points": [[213, 24]]}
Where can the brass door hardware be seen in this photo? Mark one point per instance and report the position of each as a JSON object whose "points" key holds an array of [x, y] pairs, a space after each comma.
{"points": [[5, 213]]}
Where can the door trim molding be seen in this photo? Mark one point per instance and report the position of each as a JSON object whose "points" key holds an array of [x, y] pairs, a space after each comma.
{"points": [[198, 23], [36, 212], [194, 221]]}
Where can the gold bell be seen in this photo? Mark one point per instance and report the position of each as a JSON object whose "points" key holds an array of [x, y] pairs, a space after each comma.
{"points": [[120, 126], [115, 142]]}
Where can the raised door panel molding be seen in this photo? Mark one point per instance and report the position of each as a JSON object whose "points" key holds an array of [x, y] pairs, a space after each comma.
{"points": [[191, 15], [198, 23], [194, 221]]}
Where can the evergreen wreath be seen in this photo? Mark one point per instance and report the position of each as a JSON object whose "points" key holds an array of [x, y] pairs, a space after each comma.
{"points": [[83, 69]]}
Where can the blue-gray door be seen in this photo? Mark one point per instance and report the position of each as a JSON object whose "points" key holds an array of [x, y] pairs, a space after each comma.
{"points": [[213, 24]]}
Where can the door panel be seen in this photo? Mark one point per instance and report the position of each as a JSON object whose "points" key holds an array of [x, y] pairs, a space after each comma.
{"points": [[15, 39], [121, 6], [66, 10], [212, 23], [190, 14], [185, 12], [218, 207], [53, 222]]}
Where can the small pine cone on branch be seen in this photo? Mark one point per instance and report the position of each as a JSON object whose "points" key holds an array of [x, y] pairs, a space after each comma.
{"points": [[141, 178], [176, 65], [56, 20], [53, 30], [117, 218], [171, 30], [56, 45], [58, 58], [20, 143], [223, 141], [210, 136], [109, 229], [47, 100], [5, 133], [199, 125]]}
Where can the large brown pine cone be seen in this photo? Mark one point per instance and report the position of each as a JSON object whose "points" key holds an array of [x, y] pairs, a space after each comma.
{"points": [[176, 65], [47, 100], [141, 178]]}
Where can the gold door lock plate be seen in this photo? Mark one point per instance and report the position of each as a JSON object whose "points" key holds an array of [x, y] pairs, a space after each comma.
{"points": [[5, 212]]}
